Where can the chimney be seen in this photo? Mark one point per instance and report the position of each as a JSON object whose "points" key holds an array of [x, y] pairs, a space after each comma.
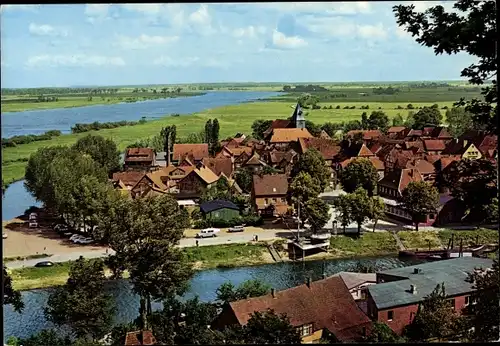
{"points": [[273, 292], [308, 282], [413, 289]]}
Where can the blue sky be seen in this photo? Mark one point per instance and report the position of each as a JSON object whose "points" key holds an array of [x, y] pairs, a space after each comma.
{"points": [[64, 45]]}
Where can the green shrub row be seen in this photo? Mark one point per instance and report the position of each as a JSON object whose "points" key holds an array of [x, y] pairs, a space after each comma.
{"points": [[25, 139]]}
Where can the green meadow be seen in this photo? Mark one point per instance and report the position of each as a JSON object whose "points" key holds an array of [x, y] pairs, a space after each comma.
{"points": [[232, 119]]}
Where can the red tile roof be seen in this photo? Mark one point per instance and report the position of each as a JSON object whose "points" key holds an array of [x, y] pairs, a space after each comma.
{"points": [[432, 158], [267, 185], [140, 338], [218, 166], [364, 151], [440, 132], [434, 145], [198, 151], [277, 124], [327, 304], [379, 164], [327, 147], [423, 166], [324, 135], [396, 129], [139, 155], [289, 135], [400, 178], [129, 178]]}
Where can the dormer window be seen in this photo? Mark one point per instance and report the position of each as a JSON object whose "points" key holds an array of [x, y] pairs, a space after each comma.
{"points": [[274, 189]]}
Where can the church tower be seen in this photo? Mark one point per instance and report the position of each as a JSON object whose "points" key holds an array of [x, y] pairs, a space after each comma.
{"points": [[298, 120]]}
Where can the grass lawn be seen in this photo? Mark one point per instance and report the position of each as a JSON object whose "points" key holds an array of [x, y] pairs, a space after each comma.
{"points": [[420, 240], [370, 244], [232, 119], [486, 236], [30, 278]]}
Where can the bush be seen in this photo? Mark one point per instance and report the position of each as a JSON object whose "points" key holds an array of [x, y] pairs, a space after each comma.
{"points": [[25, 139], [316, 107], [338, 107], [331, 107], [96, 126], [353, 107]]}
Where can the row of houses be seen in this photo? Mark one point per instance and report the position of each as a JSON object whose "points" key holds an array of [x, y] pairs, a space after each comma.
{"points": [[344, 306], [400, 156]]}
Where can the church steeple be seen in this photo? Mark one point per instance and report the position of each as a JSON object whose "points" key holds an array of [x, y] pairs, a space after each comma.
{"points": [[298, 120]]}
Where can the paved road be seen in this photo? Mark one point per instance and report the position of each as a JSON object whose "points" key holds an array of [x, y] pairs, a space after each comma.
{"points": [[185, 242]]}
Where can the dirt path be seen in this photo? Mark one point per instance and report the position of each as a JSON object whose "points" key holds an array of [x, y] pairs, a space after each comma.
{"points": [[398, 241]]}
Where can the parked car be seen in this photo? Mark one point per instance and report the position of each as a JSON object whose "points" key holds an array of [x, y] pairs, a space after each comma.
{"points": [[33, 224], [33, 216], [4, 235], [86, 241], [75, 236], [44, 264], [207, 233], [61, 227], [236, 229]]}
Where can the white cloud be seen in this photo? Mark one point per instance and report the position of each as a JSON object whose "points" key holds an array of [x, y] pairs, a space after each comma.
{"points": [[290, 42], [47, 30], [372, 31], [19, 7], [402, 33], [339, 8], [166, 61], [145, 8], [144, 41], [201, 21], [250, 31], [78, 60], [97, 10]]}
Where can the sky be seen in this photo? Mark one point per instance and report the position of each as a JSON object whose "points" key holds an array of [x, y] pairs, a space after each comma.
{"points": [[137, 44]]}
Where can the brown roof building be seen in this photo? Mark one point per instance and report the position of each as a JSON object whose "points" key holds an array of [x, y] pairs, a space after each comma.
{"points": [[128, 178], [367, 134], [140, 338], [139, 157], [195, 151], [269, 194], [220, 165], [288, 135], [327, 147], [312, 308]]}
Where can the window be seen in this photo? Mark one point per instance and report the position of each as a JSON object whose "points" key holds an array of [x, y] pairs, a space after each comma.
{"points": [[305, 330], [390, 315], [283, 200]]}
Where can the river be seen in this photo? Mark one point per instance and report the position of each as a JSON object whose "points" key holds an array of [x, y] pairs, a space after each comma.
{"points": [[40, 121], [203, 284]]}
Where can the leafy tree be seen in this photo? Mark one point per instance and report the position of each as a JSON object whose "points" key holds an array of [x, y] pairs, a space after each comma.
{"points": [[307, 100], [352, 125], [168, 136], [81, 303], [434, 319], [259, 127], [102, 150], [303, 187], [359, 173], [377, 210], [343, 208], [144, 232], [359, 207], [42, 338], [381, 332], [378, 120], [331, 128], [485, 311], [365, 123], [195, 137], [419, 199], [313, 128], [313, 163], [410, 120], [459, 121], [427, 116], [243, 178], [10, 295], [208, 133], [270, 328], [471, 28], [269, 170], [317, 213], [473, 182], [37, 175], [397, 120], [215, 136], [227, 292], [119, 332]]}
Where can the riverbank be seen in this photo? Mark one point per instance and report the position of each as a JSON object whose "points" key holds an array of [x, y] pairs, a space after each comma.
{"points": [[232, 119], [19, 104]]}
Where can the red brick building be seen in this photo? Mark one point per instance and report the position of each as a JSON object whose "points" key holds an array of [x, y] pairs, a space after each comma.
{"points": [[394, 300]]}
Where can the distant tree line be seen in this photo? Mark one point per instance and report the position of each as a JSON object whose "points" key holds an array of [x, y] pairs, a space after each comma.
{"points": [[25, 139], [303, 88], [385, 91], [428, 85], [96, 126]]}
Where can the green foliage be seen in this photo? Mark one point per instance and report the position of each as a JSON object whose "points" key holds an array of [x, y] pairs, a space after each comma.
{"points": [[352, 125], [474, 182], [359, 173], [435, 318], [96, 126], [313, 129], [270, 328], [81, 303], [144, 232], [11, 296], [331, 128], [303, 187], [194, 138], [377, 120], [397, 120], [269, 170], [485, 312], [471, 28], [381, 332], [259, 127], [168, 135], [25, 139], [248, 220], [243, 178], [43, 338], [102, 150], [227, 292], [419, 199], [307, 101], [427, 116], [317, 213], [459, 121], [377, 210], [313, 163]]}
